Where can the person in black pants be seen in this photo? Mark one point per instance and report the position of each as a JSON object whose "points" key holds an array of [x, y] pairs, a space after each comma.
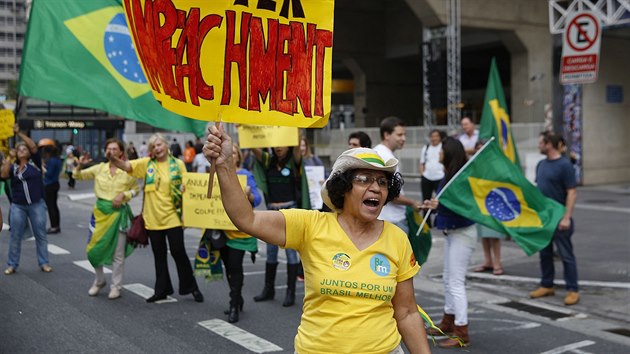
{"points": [[51, 183], [161, 210], [238, 243], [430, 168]]}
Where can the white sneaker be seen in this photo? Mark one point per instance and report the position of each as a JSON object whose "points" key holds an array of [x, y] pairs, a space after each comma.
{"points": [[114, 293], [95, 289]]}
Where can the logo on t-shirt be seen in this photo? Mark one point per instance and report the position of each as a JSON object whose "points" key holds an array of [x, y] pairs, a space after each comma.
{"points": [[412, 260], [341, 261], [380, 265]]}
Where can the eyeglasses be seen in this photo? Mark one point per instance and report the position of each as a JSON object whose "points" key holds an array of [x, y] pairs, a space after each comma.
{"points": [[366, 181]]}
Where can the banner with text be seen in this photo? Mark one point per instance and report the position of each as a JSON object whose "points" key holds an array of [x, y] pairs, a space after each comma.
{"points": [[263, 62], [201, 212], [258, 136]]}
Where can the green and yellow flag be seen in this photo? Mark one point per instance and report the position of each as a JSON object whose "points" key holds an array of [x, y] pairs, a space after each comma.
{"points": [[495, 121], [421, 242], [492, 191], [80, 53]]}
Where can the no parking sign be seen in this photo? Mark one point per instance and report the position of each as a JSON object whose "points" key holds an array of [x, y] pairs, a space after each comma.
{"points": [[580, 48]]}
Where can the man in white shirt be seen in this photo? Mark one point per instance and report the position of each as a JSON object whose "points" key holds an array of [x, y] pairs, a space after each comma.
{"points": [[470, 136], [393, 138]]}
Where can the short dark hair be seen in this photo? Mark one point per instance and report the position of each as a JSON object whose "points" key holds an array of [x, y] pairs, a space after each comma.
{"points": [[553, 139], [389, 124], [442, 133], [470, 119], [364, 139], [341, 183], [120, 143]]}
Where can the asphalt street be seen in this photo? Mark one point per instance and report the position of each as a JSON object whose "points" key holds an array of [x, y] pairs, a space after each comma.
{"points": [[52, 313]]}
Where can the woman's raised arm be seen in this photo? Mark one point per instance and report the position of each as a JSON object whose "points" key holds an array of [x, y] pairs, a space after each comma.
{"points": [[268, 226]]}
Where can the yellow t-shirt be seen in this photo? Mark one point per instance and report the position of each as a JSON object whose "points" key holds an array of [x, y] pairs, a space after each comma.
{"points": [[158, 212], [348, 293]]}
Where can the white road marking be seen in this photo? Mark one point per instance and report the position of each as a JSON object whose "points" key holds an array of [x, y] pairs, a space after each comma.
{"points": [[239, 336], [56, 250], [81, 196], [87, 266], [516, 278], [145, 292], [603, 208], [505, 324], [570, 347]]}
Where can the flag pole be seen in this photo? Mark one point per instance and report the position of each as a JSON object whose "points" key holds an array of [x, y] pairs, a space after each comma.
{"points": [[426, 217], [213, 166]]}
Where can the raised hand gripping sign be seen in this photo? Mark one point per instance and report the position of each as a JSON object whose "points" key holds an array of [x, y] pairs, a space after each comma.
{"points": [[262, 62]]}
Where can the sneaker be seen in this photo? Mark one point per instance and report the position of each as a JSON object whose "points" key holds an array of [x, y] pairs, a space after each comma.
{"points": [[53, 230], [541, 292], [571, 298], [95, 289], [46, 268], [9, 271], [114, 293]]}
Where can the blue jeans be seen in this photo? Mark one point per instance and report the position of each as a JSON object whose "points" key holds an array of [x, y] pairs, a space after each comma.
{"points": [[20, 214], [272, 255], [272, 250], [562, 240]]}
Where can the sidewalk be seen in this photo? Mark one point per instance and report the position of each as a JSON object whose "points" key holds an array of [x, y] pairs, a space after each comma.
{"points": [[602, 248]]}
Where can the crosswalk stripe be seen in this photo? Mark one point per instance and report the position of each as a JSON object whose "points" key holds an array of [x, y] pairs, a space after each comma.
{"points": [[80, 196], [87, 266], [56, 250], [145, 292], [239, 336]]}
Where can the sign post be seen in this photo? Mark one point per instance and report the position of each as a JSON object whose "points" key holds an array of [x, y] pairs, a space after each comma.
{"points": [[580, 49]]}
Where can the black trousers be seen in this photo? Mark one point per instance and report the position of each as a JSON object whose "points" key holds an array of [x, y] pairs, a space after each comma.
{"points": [[233, 262], [427, 187], [51, 193], [175, 237]]}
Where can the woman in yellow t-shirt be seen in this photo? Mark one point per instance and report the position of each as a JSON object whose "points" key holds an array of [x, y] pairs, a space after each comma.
{"points": [[358, 269], [162, 208]]}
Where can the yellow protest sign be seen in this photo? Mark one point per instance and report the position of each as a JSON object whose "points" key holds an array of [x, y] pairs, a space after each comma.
{"points": [[198, 210], [261, 62], [258, 136], [7, 120]]}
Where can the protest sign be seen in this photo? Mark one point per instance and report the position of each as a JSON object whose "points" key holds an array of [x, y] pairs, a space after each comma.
{"points": [[254, 62], [258, 136], [7, 121], [201, 212], [315, 177]]}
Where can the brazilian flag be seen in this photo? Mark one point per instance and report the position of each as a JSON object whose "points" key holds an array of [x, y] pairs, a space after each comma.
{"points": [[492, 191], [495, 121], [79, 52], [420, 243]]}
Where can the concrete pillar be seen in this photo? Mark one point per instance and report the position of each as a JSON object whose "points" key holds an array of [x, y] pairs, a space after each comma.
{"points": [[360, 94], [531, 74]]}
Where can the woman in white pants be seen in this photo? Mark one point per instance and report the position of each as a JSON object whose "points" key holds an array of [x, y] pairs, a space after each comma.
{"points": [[461, 238], [111, 218]]}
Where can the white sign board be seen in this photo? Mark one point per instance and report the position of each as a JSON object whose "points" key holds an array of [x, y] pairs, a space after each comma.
{"points": [[315, 178], [580, 48]]}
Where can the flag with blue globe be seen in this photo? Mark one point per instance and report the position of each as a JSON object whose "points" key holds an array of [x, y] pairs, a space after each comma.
{"points": [[493, 191], [81, 53]]}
